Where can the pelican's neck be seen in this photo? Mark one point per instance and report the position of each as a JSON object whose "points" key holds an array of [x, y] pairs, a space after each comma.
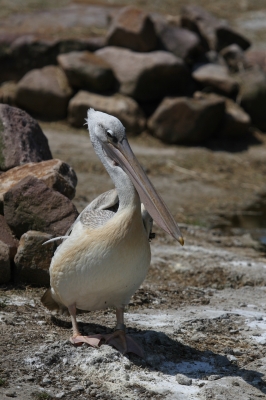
{"points": [[127, 194]]}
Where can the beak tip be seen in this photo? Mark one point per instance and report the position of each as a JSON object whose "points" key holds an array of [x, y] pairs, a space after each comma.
{"points": [[181, 240]]}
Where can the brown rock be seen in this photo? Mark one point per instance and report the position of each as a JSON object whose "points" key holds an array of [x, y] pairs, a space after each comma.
{"points": [[55, 173], [86, 70], [256, 58], [181, 42], [8, 92], [252, 96], [33, 258], [7, 237], [5, 269], [31, 205], [21, 139], [147, 76], [234, 57], [45, 92], [122, 107], [132, 28], [215, 33], [236, 121], [217, 78], [186, 120]]}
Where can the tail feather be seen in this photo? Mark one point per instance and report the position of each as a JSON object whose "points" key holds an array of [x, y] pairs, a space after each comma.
{"points": [[49, 302]]}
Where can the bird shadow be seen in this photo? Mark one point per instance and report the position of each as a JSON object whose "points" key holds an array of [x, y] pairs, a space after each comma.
{"points": [[171, 357]]}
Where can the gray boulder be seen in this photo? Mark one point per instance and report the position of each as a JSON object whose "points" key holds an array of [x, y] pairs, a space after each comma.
{"points": [[7, 238], [236, 121], [44, 92], [147, 76], [181, 42], [187, 121], [132, 28], [217, 78], [21, 139], [86, 70], [54, 173], [122, 107], [234, 57], [33, 259], [252, 96], [8, 92], [215, 33], [31, 205], [5, 269], [256, 59]]}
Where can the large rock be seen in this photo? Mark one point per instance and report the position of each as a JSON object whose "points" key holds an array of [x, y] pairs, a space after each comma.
{"points": [[234, 57], [5, 269], [122, 107], [31, 205], [147, 76], [45, 92], [55, 173], [185, 120], [21, 53], [33, 258], [236, 121], [7, 237], [181, 42], [256, 58], [21, 139], [86, 70], [8, 92], [252, 96], [215, 33], [132, 28], [217, 78]]}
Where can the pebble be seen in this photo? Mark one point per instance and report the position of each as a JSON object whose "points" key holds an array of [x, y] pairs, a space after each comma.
{"points": [[183, 380], [10, 393], [60, 395], [213, 377], [231, 358], [46, 381], [77, 388]]}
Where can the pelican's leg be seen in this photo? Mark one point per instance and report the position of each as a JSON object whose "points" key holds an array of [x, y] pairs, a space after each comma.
{"points": [[77, 338], [119, 339]]}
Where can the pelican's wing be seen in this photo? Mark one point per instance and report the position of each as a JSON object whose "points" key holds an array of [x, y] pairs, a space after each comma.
{"points": [[106, 201], [96, 218]]}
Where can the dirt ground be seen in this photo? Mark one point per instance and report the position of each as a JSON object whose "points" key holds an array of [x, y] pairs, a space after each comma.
{"points": [[201, 313]]}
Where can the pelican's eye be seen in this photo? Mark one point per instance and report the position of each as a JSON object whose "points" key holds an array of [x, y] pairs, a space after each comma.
{"points": [[112, 136]]}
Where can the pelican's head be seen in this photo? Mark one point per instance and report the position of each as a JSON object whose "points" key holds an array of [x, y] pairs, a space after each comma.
{"points": [[108, 132]]}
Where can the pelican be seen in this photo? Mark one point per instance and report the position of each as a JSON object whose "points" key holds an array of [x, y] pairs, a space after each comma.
{"points": [[105, 256]]}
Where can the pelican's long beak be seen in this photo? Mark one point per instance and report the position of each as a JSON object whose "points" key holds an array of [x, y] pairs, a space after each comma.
{"points": [[154, 204]]}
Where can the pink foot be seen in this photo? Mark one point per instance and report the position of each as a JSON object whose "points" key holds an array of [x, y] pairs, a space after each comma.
{"points": [[118, 339], [93, 340]]}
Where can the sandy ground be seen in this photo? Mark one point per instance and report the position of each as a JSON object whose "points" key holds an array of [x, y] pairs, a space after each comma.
{"points": [[200, 315]]}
